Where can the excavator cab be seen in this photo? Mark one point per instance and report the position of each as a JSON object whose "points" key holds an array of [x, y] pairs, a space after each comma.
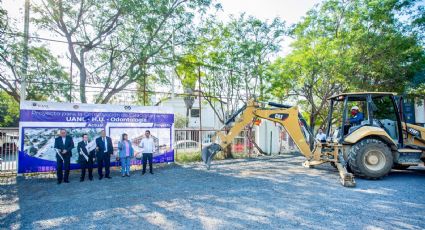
{"points": [[374, 142], [350, 112]]}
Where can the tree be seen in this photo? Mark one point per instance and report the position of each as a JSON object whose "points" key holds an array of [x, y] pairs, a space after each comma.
{"points": [[187, 71], [347, 46], [3, 22], [233, 58], [417, 86], [386, 52], [230, 58], [45, 76], [9, 111], [116, 44]]}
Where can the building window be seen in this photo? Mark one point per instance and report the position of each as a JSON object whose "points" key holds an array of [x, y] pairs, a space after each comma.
{"points": [[194, 113]]}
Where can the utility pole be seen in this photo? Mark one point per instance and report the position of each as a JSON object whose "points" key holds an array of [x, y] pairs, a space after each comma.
{"points": [[172, 74], [25, 51], [144, 89], [70, 83], [200, 105]]}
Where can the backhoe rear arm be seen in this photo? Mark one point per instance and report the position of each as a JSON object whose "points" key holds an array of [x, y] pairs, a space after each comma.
{"points": [[288, 118]]}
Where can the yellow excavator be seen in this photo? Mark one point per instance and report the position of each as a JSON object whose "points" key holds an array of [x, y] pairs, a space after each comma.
{"points": [[369, 148]]}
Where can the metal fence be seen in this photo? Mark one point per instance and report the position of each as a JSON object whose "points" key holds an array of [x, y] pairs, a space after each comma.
{"points": [[185, 141], [8, 150], [192, 140]]}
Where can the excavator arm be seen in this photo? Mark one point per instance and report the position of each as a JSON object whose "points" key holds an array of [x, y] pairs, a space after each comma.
{"points": [[295, 125], [288, 117]]}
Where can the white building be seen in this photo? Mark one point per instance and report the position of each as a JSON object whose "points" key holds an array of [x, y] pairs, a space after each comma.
{"points": [[268, 136], [209, 119], [420, 112]]}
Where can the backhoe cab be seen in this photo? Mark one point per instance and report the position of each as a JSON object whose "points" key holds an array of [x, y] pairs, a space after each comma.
{"points": [[367, 142], [378, 142]]}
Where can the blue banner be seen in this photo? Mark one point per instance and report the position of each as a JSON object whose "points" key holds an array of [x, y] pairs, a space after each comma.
{"points": [[40, 123]]}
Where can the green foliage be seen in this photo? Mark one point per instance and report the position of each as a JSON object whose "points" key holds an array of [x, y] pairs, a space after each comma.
{"points": [[9, 111], [418, 91], [3, 21], [187, 157], [120, 43], [417, 86], [180, 121], [187, 71], [357, 45], [232, 57]]}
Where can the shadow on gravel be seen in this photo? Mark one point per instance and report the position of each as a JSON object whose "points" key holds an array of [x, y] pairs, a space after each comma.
{"points": [[268, 193]]}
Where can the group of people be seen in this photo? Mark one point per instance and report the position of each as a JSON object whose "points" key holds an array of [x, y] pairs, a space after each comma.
{"points": [[102, 153]]}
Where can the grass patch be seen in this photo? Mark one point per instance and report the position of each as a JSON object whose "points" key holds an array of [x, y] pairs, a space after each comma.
{"points": [[187, 157]]}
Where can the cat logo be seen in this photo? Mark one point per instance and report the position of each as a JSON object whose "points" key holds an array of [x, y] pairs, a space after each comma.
{"points": [[279, 116]]}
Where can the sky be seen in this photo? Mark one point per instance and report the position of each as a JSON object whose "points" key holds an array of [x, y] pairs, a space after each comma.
{"points": [[291, 11]]}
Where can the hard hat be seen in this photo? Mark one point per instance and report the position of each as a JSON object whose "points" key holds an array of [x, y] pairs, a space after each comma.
{"points": [[355, 107]]}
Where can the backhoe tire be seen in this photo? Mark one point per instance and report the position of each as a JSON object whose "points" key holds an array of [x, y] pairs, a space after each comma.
{"points": [[370, 159]]}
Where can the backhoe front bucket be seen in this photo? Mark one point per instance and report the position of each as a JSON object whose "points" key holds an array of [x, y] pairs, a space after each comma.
{"points": [[209, 152]]}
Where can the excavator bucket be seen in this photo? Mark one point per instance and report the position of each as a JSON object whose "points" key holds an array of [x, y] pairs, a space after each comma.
{"points": [[209, 152]]}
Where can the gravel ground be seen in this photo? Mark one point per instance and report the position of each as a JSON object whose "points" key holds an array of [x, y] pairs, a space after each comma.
{"points": [[263, 193]]}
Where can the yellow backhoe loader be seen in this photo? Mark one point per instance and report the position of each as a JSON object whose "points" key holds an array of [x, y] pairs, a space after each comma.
{"points": [[368, 148]]}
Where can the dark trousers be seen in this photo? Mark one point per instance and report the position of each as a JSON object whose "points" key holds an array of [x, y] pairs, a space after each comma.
{"points": [[61, 165], [89, 166], [147, 156], [104, 161]]}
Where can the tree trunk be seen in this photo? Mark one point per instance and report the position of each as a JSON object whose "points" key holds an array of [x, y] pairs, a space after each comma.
{"points": [[83, 78], [187, 117], [228, 151], [312, 122], [250, 140]]}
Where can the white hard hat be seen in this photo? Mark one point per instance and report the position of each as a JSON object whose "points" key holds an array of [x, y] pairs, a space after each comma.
{"points": [[355, 107]]}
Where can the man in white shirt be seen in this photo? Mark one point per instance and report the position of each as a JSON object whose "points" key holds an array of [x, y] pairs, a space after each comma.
{"points": [[148, 147], [321, 136]]}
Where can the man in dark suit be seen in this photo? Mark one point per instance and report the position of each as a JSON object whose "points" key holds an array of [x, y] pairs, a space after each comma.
{"points": [[104, 150], [63, 146], [85, 163]]}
